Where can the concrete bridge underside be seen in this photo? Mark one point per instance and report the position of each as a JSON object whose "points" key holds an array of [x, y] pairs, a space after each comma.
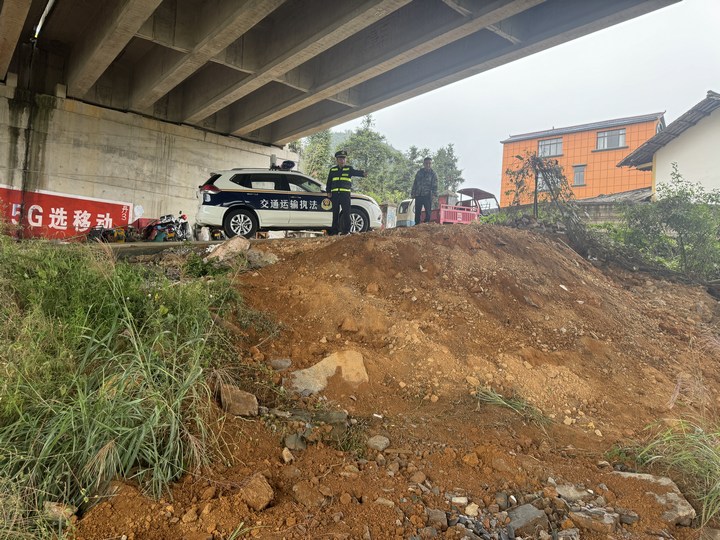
{"points": [[272, 71]]}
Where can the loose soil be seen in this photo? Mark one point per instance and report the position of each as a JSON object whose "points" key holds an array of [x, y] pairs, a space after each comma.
{"points": [[437, 311]]}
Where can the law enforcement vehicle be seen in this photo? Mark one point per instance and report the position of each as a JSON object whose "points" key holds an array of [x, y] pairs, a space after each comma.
{"points": [[244, 201]]}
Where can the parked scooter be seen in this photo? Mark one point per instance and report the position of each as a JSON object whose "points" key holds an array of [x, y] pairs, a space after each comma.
{"points": [[161, 230], [168, 228], [183, 228]]}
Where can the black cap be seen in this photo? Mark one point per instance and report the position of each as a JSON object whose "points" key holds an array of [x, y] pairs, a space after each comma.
{"points": [[341, 153]]}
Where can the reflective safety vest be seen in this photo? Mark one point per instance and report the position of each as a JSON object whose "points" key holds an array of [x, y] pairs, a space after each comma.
{"points": [[339, 178]]}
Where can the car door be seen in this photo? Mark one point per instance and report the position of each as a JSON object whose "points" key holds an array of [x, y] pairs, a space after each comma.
{"points": [[309, 205], [267, 194]]}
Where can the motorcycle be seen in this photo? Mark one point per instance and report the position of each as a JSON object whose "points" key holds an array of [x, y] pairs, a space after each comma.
{"points": [[168, 228], [161, 230], [183, 228]]}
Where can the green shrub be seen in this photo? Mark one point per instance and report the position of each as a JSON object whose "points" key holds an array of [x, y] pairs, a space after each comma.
{"points": [[680, 229], [103, 373]]}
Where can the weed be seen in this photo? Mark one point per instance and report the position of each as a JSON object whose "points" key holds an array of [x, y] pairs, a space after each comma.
{"points": [[528, 412], [352, 440], [196, 266], [692, 451], [103, 374], [619, 454]]}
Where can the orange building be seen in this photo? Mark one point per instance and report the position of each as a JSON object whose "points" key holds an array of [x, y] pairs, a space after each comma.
{"points": [[588, 154]]}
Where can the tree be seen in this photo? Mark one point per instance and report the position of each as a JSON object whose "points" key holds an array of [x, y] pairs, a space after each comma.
{"points": [[539, 179], [369, 150], [680, 228], [316, 155], [445, 165]]}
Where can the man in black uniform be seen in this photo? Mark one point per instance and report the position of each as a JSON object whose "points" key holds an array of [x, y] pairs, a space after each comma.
{"points": [[338, 188]]}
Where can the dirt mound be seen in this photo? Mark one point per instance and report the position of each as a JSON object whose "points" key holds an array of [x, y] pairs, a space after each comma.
{"points": [[437, 312]]}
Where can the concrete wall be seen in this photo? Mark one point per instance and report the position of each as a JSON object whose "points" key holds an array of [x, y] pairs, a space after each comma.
{"points": [[696, 153], [71, 147]]}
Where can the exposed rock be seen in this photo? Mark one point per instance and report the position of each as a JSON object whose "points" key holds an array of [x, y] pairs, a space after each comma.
{"points": [[437, 518], [427, 532], [307, 495], [678, 510], [208, 494], [596, 519], [258, 259], [314, 379], [418, 477], [569, 534], [573, 494], [238, 402], [295, 441], [525, 519], [229, 249], [287, 455], [384, 502], [256, 492], [472, 510], [471, 459], [56, 511], [627, 517], [280, 364], [349, 325], [190, 516], [378, 443]]}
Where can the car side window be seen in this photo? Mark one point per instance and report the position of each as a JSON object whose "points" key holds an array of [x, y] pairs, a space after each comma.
{"points": [[298, 183], [242, 180], [267, 181]]}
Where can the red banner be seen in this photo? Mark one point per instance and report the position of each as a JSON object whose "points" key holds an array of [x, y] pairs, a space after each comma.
{"points": [[56, 215]]}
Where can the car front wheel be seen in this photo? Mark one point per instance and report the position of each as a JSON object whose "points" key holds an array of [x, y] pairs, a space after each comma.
{"points": [[240, 222], [359, 221]]}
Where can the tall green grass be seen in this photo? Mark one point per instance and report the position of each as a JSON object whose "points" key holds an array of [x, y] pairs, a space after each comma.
{"points": [[692, 452], [518, 405], [103, 374]]}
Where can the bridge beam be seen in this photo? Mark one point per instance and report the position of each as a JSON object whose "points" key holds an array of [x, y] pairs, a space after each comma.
{"points": [[105, 39], [398, 39], [163, 69], [316, 27], [12, 19], [472, 55]]}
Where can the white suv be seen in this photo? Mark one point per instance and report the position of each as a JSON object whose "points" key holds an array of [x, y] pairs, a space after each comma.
{"points": [[244, 201]]}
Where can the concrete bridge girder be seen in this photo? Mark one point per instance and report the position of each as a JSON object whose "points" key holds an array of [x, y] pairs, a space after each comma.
{"points": [[453, 63], [400, 38], [274, 70], [12, 19], [310, 34]]}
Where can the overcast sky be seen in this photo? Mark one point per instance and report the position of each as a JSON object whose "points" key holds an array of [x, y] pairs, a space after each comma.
{"points": [[666, 60]]}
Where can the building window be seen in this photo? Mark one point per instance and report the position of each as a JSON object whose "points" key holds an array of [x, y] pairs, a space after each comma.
{"points": [[610, 139], [550, 147], [579, 175]]}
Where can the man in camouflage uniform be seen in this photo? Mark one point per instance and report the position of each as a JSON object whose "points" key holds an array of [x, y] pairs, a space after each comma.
{"points": [[424, 190]]}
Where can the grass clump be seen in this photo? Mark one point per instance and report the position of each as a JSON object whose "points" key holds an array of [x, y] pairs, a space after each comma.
{"points": [[692, 452], [196, 266], [103, 374], [528, 412]]}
